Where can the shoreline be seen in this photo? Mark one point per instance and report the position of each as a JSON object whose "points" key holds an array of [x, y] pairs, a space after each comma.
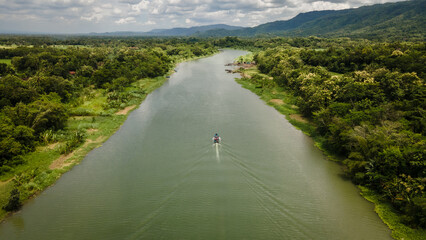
{"points": [[68, 161], [54, 164], [282, 102]]}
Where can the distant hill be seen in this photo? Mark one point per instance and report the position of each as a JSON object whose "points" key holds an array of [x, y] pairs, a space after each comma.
{"points": [[271, 27], [190, 31], [400, 20], [172, 32]]}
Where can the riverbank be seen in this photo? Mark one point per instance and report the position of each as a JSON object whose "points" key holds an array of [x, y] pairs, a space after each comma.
{"points": [[44, 166], [93, 119], [284, 102]]}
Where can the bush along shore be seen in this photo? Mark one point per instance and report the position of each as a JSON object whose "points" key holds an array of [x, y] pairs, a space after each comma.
{"points": [[59, 102], [365, 116]]}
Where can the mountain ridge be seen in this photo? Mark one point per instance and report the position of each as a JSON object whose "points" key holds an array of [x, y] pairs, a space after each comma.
{"points": [[404, 19], [180, 31]]}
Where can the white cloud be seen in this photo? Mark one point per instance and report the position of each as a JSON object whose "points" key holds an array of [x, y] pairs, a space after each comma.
{"points": [[126, 20], [321, 5], [117, 11], [142, 5], [112, 15]]}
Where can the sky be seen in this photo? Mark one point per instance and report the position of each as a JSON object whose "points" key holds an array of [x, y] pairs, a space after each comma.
{"points": [[85, 16]]}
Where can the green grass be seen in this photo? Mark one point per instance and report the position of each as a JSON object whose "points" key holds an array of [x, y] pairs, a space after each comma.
{"points": [[245, 58], [9, 46], [7, 61], [5, 189], [38, 160], [391, 218], [254, 70], [93, 102], [288, 107]]}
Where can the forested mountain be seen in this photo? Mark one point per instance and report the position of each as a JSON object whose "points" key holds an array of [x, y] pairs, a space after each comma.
{"points": [[173, 31], [390, 20], [190, 31], [272, 27]]}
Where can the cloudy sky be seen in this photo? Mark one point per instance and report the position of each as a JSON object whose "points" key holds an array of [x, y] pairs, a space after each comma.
{"points": [[83, 16]]}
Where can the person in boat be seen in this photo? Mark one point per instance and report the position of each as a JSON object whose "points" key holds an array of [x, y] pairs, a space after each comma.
{"points": [[216, 138]]}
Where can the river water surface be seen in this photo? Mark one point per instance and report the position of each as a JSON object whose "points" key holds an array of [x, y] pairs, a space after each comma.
{"points": [[160, 177]]}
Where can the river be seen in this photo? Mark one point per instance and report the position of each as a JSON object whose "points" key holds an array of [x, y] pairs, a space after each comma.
{"points": [[160, 177]]}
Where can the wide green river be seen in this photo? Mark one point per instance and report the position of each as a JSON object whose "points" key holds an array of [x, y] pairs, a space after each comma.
{"points": [[160, 176]]}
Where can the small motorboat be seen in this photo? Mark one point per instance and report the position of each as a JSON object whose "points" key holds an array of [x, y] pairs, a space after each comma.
{"points": [[216, 138]]}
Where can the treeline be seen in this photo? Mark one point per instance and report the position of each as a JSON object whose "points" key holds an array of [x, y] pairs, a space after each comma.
{"points": [[42, 83], [367, 101], [396, 56], [100, 41]]}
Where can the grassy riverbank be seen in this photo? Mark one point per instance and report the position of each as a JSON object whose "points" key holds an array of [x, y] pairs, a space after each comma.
{"points": [[90, 118], [278, 98], [53, 114], [44, 166], [284, 102]]}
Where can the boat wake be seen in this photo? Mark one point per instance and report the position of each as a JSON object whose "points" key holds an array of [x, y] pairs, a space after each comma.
{"points": [[217, 152]]}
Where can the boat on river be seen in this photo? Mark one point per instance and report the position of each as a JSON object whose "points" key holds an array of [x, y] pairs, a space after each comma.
{"points": [[216, 139]]}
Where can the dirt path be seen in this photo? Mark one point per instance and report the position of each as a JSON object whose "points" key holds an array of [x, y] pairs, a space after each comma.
{"points": [[298, 118], [277, 101], [125, 110], [3, 184], [92, 130], [62, 161]]}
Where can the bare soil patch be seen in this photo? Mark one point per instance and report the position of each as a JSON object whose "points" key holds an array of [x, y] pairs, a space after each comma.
{"points": [[125, 110], [277, 101], [298, 118], [97, 140], [241, 65], [62, 161], [81, 117], [244, 75], [2, 184], [48, 147], [52, 145], [92, 130]]}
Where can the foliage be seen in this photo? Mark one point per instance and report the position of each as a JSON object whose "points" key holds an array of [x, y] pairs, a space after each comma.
{"points": [[48, 79], [367, 102], [14, 202], [75, 139], [51, 100]]}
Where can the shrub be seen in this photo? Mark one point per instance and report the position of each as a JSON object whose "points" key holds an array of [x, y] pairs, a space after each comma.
{"points": [[14, 202]]}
